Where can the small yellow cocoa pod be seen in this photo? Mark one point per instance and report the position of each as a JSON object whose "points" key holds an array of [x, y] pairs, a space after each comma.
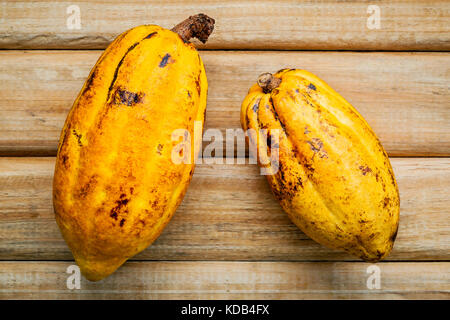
{"points": [[331, 173]]}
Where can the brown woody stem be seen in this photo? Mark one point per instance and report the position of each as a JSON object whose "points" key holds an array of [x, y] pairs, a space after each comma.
{"points": [[199, 26], [268, 82]]}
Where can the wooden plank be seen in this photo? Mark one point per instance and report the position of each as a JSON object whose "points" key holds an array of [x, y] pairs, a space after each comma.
{"points": [[230, 280], [403, 96], [227, 214], [311, 25]]}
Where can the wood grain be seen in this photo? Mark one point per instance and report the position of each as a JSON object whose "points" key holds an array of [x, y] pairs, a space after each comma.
{"points": [[404, 96], [227, 214], [286, 25], [230, 239], [230, 280]]}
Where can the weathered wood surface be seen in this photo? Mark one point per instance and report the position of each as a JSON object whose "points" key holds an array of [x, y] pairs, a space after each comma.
{"points": [[264, 24], [227, 214], [230, 280], [404, 96]]}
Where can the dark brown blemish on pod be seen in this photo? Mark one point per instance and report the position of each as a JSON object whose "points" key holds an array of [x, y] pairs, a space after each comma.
{"points": [[159, 149], [122, 222], [166, 60], [287, 188], [299, 184], [127, 98], [154, 204], [312, 87], [316, 146], [78, 136], [119, 204], [365, 169], [150, 35], [386, 202], [255, 107], [64, 159], [197, 85]]}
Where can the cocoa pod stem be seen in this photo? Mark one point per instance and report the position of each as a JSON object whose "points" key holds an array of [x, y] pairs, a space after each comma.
{"points": [[268, 82], [199, 26]]}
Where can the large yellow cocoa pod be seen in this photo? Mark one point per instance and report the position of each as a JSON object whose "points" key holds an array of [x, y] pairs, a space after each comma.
{"points": [[115, 185], [331, 173]]}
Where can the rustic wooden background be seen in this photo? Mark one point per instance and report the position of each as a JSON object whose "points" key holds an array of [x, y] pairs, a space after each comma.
{"points": [[230, 239]]}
